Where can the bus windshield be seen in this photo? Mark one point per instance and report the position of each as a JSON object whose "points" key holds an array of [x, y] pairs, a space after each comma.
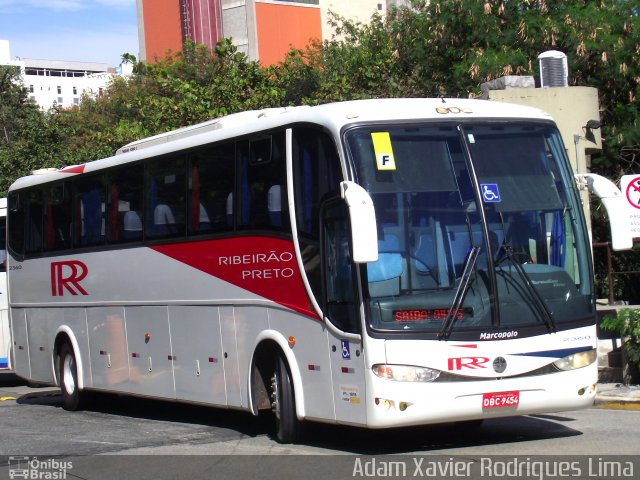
{"points": [[478, 228]]}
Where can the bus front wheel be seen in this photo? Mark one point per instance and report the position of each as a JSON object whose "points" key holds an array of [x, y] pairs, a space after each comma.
{"points": [[68, 374], [283, 403]]}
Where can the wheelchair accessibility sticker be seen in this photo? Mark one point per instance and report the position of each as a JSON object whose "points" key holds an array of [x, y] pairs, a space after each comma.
{"points": [[346, 350], [490, 192]]}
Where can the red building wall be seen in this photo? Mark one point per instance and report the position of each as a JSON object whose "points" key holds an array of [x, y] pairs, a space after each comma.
{"points": [[280, 27], [162, 27]]}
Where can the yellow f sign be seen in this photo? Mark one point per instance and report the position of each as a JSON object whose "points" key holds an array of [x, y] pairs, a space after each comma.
{"points": [[383, 150]]}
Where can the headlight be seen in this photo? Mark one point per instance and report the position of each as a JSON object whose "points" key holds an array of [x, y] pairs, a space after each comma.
{"points": [[577, 360], [406, 373]]}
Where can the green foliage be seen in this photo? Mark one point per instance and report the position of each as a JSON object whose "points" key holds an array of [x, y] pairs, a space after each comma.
{"points": [[27, 135], [627, 325], [193, 86]]}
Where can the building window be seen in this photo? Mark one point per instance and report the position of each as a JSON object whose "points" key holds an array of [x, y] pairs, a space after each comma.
{"points": [[30, 88], [60, 101], [76, 101], [75, 90], [59, 89]]}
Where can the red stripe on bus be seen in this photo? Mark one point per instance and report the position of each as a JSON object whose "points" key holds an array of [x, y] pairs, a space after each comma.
{"points": [[265, 266], [73, 169]]}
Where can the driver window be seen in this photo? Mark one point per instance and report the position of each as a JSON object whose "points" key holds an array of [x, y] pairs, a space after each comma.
{"points": [[341, 307]]}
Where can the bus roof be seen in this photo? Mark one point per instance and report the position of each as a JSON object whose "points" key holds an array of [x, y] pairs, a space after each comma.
{"points": [[332, 116]]}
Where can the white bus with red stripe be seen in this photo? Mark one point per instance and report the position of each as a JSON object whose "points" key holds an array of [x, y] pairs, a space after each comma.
{"points": [[376, 263]]}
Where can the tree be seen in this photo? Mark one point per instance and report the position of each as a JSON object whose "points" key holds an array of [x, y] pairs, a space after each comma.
{"points": [[14, 103], [30, 139]]}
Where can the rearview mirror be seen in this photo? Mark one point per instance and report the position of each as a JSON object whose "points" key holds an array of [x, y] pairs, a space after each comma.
{"points": [[364, 234]]}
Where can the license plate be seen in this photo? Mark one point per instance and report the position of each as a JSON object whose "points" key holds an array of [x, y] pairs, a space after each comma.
{"points": [[500, 400]]}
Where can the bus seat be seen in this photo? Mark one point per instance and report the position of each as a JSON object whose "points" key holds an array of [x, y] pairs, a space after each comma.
{"points": [[132, 226], [204, 221], [230, 209], [384, 275], [424, 253], [163, 220], [274, 205]]}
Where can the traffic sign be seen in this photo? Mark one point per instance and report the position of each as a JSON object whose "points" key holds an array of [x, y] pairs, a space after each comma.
{"points": [[633, 191], [630, 186]]}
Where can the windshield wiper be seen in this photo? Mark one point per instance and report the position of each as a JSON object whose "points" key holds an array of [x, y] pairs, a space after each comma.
{"points": [[538, 302], [463, 287]]}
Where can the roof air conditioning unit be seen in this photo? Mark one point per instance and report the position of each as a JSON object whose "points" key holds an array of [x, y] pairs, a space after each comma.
{"points": [[553, 69]]}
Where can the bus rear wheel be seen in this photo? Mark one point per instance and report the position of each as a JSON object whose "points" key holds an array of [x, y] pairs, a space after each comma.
{"points": [[283, 403], [72, 398]]}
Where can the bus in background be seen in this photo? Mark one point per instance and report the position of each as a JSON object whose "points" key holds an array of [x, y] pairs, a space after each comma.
{"points": [[377, 263], [5, 334]]}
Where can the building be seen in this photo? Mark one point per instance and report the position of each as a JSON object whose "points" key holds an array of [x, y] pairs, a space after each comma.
{"points": [[263, 29], [355, 10], [58, 82]]}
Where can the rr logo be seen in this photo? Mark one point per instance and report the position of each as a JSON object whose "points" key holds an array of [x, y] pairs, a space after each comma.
{"points": [[68, 275], [459, 363]]}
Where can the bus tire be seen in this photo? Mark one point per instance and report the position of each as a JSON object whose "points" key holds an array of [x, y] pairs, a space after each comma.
{"points": [[283, 403], [72, 398]]}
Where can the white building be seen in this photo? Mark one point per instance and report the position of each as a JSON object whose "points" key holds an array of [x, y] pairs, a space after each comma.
{"points": [[58, 82], [355, 10]]}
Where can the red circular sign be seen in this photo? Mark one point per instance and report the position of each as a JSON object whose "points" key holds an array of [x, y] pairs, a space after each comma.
{"points": [[633, 193]]}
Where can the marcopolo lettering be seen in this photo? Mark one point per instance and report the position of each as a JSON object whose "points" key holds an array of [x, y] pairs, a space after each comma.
{"points": [[67, 276], [498, 335]]}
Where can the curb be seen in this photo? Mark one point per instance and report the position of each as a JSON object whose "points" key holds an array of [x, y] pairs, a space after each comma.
{"points": [[616, 402]]}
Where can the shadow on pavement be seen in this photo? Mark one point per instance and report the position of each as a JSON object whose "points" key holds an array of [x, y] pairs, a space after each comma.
{"points": [[346, 439], [9, 379]]}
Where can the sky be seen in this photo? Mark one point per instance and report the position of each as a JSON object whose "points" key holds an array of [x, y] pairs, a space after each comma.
{"points": [[79, 30]]}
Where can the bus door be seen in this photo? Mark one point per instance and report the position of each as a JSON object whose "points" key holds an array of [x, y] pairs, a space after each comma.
{"points": [[341, 310]]}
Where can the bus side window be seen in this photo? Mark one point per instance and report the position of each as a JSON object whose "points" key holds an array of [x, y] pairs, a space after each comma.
{"points": [[16, 222], [316, 179], [341, 306], [90, 212], [125, 205], [211, 183], [263, 186], [57, 218], [33, 218], [165, 198]]}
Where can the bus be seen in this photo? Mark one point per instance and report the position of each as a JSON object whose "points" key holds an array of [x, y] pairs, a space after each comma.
{"points": [[5, 335], [374, 263]]}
